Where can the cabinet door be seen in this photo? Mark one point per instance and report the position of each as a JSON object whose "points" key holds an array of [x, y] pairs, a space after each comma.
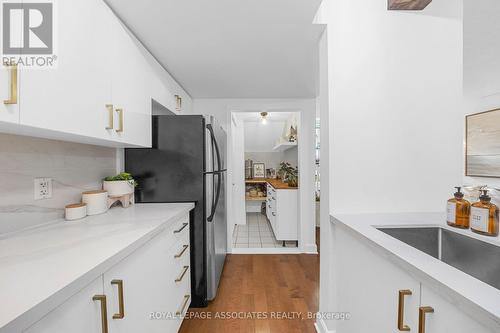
{"points": [[131, 88], [72, 97], [79, 314], [447, 317], [9, 111], [368, 288]]}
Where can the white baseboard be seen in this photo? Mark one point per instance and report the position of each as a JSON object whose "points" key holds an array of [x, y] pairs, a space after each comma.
{"points": [[320, 326]]}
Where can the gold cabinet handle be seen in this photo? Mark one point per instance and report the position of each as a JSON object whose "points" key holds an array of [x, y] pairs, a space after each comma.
{"points": [[120, 113], [178, 103], [401, 310], [422, 311], [111, 124], [184, 225], [184, 304], [184, 248], [184, 270], [121, 304], [13, 84], [104, 312]]}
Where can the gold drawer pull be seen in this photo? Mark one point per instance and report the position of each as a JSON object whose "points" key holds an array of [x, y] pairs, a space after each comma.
{"points": [[401, 309], [184, 248], [111, 124], [120, 112], [104, 312], [184, 304], [184, 225], [422, 311], [184, 270], [121, 304], [13, 84]]}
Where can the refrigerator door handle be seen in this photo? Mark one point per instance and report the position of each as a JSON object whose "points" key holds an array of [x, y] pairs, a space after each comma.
{"points": [[214, 142], [214, 204]]}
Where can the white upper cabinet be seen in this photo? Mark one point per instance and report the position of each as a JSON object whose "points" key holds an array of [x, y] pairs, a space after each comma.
{"points": [[72, 98], [131, 91], [9, 88], [102, 86], [9, 94]]}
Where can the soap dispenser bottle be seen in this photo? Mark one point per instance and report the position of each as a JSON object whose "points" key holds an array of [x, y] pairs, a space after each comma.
{"points": [[458, 211], [484, 216]]}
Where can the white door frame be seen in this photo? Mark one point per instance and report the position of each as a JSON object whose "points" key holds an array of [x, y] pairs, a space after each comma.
{"points": [[306, 110]]}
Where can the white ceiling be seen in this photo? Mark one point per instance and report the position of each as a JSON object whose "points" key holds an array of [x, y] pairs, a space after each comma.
{"points": [[230, 48]]}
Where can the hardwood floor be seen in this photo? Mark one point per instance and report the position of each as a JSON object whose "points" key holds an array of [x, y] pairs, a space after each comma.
{"points": [[273, 294]]}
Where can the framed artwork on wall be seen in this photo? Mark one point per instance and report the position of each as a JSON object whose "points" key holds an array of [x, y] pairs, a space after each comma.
{"points": [[259, 170], [482, 148]]}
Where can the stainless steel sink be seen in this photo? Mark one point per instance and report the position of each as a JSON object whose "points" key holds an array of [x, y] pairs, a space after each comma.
{"points": [[474, 257]]}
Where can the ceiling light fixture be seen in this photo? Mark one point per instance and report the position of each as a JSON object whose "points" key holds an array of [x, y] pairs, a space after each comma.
{"points": [[264, 117]]}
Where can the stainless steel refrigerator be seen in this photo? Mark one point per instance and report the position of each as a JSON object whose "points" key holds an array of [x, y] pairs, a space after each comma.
{"points": [[188, 164]]}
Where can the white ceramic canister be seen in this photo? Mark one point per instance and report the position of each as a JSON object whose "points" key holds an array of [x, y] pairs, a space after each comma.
{"points": [[97, 201], [75, 211]]}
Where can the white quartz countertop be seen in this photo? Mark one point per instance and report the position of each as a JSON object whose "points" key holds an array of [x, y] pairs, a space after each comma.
{"points": [[471, 295], [42, 267]]}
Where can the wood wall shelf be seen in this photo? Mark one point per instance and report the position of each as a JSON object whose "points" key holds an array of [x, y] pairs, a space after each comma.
{"points": [[407, 4]]}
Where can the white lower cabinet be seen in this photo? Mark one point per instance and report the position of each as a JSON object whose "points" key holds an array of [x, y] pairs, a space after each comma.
{"points": [[79, 314], [283, 213], [447, 317], [369, 287], [148, 291]]}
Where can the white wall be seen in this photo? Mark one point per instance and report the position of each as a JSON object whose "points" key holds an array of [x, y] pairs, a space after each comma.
{"points": [[262, 138], [481, 63], [222, 108], [73, 167], [397, 106], [394, 113], [292, 156]]}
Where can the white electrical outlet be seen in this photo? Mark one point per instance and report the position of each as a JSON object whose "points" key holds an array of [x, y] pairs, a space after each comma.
{"points": [[43, 188]]}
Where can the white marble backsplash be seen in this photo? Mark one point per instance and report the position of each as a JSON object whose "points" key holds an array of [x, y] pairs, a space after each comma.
{"points": [[73, 168]]}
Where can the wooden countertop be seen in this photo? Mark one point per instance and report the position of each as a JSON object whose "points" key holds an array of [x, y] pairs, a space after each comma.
{"points": [[276, 183]]}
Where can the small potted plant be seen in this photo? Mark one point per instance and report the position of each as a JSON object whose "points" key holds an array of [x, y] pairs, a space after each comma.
{"points": [[289, 174], [119, 185]]}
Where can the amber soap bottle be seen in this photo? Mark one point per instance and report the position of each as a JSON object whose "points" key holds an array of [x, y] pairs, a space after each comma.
{"points": [[484, 216], [458, 211]]}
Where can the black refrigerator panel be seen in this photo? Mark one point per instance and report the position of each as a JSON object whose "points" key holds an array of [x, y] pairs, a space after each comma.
{"points": [[173, 171]]}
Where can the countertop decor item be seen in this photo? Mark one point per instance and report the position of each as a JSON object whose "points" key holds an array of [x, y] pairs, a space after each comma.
{"points": [[120, 188], [97, 201], [289, 174], [75, 211], [259, 170]]}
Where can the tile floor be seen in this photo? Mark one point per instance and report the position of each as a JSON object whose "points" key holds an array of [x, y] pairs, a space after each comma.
{"points": [[257, 233]]}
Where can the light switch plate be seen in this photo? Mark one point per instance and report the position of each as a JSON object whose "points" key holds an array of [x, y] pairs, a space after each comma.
{"points": [[43, 188]]}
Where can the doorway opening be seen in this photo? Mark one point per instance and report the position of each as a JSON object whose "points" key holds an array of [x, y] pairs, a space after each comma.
{"points": [[265, 147]]}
